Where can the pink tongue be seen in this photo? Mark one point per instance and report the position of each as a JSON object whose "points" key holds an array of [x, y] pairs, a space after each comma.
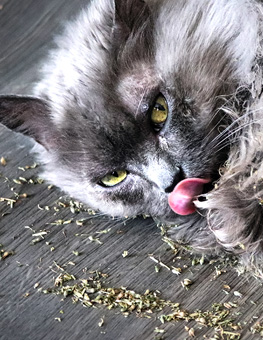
{"points": [[183, 195]]}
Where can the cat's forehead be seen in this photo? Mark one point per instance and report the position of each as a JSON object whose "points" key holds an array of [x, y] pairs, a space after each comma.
{"points": [[135, 84]]}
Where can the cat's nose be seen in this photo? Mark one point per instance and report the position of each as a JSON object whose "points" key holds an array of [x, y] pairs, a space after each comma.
{"points": [[169, 189], [162, 175], [176, 179]]}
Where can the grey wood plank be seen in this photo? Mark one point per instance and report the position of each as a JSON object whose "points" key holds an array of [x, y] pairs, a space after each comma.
{"points": [[27, 28]]}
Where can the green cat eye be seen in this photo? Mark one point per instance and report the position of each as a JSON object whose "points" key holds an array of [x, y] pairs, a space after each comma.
{"points": [[159, 112], [114, 178]]}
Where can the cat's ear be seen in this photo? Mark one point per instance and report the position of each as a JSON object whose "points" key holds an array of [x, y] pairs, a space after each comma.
{"points": [[27, 115]]}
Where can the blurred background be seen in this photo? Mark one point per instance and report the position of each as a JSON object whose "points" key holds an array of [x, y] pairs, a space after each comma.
{"points": [[27, 28]]}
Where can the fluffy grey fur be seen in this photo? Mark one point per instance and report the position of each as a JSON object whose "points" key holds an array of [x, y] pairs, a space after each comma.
{"points": [[93, 104]]}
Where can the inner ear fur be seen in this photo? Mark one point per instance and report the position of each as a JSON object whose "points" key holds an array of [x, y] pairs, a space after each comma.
{"points": [[27, 115]]}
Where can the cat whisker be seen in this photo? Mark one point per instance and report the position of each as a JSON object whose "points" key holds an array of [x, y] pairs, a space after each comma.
{"points": [[227, 110], [231, 138], [215, 126], [227, 138], [230, 127], [227, 114], [140, 102], [225, 141]]}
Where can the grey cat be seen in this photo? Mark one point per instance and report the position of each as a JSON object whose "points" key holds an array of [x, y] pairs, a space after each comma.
{"points": [[156, 108]]}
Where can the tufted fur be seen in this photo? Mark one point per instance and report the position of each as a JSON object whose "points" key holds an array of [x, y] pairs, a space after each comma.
{"points": [[97, 90]]}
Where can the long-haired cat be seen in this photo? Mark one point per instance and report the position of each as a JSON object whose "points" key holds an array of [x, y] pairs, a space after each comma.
{"points": [[156, 108]]}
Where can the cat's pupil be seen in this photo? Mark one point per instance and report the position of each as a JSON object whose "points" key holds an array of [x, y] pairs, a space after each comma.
{"points": [[115, 174], [159, 107], [159, 113]]}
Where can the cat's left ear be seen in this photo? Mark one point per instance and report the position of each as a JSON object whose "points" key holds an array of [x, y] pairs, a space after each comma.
{"points": [[28, 115]]}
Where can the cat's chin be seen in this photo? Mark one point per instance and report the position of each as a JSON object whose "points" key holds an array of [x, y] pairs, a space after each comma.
{"points": [[172, 219]]}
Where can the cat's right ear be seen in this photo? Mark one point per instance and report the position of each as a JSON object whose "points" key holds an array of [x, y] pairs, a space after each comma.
{"points": [[28, 115]]}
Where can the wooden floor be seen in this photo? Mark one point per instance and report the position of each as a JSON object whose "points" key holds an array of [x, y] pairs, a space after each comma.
{"points": [[45, 238]]}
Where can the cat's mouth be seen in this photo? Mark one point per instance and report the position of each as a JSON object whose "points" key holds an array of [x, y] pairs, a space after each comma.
{"points": [[182, 198]]}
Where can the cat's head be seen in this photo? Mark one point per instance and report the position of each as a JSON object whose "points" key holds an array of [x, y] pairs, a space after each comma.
{"points": [[134, 97]]}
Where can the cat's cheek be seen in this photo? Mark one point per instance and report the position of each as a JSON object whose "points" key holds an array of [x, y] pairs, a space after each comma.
{"points": [[123, 202], [118, 208]]}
